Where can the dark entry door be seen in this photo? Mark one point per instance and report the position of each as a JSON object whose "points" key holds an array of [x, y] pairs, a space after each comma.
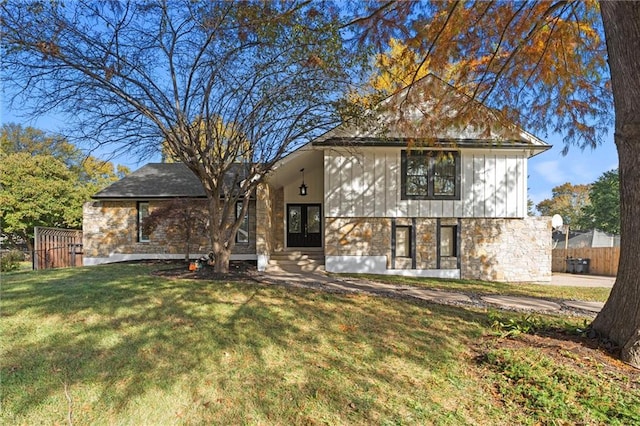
{"points": [[304, 225]]}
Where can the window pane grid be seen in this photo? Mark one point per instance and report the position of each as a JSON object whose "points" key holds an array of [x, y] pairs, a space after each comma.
{"points": [[430, 175]]}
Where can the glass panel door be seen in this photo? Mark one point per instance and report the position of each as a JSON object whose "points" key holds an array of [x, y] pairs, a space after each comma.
{"points": [[295, 219], [304, 225]]}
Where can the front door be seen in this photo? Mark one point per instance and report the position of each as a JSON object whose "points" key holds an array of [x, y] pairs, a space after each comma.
{"points": [[304, 225]]}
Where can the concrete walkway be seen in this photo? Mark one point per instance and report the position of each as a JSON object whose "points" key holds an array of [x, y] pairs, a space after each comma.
{"points": [[581, 280], [321, 281]]}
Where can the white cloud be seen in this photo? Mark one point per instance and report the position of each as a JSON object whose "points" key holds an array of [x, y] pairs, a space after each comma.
{"points": [[551, 171]]}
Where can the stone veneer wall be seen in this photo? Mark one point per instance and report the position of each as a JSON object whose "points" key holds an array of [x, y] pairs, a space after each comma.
{"points": [[110, 227], [357, 237], [513, 250]]}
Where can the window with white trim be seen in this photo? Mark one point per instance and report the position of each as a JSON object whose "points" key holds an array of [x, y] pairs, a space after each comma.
{"points": [[448, 241], [242, 236], [143, 212], [403, 241]]}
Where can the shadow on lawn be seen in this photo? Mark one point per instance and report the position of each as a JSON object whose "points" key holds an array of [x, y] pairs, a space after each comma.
{"points": [[126, 333]]}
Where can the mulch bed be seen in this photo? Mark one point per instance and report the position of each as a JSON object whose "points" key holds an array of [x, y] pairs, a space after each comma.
{"points": [[239, 270]]}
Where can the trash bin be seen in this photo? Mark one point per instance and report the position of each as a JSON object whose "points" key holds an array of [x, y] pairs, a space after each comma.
{"points": [[582, 266], [571, 265]]}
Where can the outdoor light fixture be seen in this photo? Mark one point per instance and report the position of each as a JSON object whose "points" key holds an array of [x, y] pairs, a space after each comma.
{"points": [[303, 187]]}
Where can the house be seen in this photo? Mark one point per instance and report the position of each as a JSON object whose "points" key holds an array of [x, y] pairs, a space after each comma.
{"points": [[380, 198], [585, 239]]}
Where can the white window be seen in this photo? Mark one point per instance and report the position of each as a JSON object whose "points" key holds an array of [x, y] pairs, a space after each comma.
{"points": [[242, 236], [403, 241], [448, 241], [143, 212]]}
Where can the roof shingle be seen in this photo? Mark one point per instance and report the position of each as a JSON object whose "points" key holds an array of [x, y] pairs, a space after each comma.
{"points": [[156, 180]]}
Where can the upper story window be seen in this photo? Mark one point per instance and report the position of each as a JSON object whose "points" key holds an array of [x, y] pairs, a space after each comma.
{"points": [[430, 175]]}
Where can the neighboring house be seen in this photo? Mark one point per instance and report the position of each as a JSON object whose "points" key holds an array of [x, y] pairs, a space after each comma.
{"points": [[585, 239], [452, 206]]}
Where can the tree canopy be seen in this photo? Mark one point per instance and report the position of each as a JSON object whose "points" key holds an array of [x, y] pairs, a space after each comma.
{"points": [[603, 212], [542, 63], [45, 180], [568, 201], [37, 190]]}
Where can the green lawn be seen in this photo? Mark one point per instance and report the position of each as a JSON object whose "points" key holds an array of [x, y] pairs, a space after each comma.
{"points": [[115, 345], [596, 294]]}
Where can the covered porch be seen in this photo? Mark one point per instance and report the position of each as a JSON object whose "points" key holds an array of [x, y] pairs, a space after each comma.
{"points": [[290, 212]]}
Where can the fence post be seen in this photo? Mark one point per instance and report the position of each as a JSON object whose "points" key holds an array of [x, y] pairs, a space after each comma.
{"points": [[36, 248]]}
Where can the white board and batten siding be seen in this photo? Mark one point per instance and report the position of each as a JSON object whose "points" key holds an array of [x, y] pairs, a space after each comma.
{"points": [[367, 183]]}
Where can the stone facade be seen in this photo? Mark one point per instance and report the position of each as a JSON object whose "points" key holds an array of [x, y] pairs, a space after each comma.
{"points": [[110, 233], [511, 250], [357, 237]]}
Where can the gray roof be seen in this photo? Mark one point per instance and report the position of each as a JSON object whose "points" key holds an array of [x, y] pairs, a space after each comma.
{"points": [[156, 180]]}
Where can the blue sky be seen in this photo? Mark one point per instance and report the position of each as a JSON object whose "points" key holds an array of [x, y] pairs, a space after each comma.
{"points": [[551, 168], [546, 170]]}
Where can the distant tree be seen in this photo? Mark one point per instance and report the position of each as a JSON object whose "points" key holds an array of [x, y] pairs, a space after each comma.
{"points": [[530, 207], [603, 212], [37, 190], [182, 216], [397, 68], [15, 138], [45, 180], [95, 174], [568, 201]]}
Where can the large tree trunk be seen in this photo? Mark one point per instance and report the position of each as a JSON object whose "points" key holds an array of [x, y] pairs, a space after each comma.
{"points": [[220, 244], [619, 320]]}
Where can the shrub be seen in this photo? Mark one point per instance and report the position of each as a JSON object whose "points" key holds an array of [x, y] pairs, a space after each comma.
{"points": [[10, 260]]}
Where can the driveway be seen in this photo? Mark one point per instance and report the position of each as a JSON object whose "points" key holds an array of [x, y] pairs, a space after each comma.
{"points": [[581, 280]]}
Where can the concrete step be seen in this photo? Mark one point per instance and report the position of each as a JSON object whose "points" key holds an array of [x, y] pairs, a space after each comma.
{"points": [[298, 256], [296, 261], [293, 268]]}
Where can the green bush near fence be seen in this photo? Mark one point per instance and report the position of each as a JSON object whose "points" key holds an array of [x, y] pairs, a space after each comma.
{"points": [[10, 260]]}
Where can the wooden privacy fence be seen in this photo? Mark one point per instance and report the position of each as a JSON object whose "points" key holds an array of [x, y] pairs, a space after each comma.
{"points": [[602, 260], [57, 248]]}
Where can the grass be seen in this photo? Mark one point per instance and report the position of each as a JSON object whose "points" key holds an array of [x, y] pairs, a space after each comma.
{"points": [[116, 345], [535, 384], [596, 294]]}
